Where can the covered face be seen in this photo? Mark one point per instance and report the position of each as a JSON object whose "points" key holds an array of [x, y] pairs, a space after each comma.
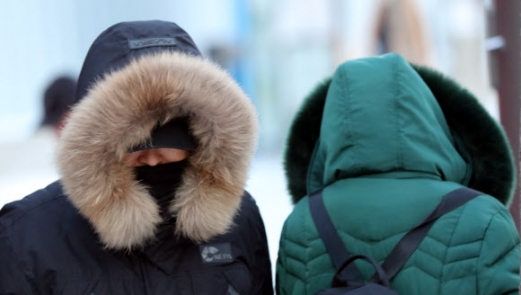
{"points": [[160, 162]]}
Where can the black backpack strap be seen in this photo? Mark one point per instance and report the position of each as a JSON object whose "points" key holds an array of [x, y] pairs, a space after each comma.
{"points": [[410, 242], [383, 278], [334, 245]]}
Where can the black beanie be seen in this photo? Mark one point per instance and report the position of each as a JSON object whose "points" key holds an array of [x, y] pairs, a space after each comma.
{"points": [[174, 134]]}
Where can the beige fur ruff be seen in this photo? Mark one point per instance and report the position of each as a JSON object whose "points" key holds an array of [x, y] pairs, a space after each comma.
{"points": [[120, 111]]}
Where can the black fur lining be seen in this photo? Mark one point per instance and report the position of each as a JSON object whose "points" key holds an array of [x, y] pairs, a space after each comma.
{"points": [[303, 134], [493, 169], [482, 138]]}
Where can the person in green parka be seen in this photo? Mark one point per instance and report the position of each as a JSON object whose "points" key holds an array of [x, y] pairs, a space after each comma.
{"points": [[386, 140]]}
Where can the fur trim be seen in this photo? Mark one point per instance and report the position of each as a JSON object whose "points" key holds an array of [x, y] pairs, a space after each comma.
{"points": [[481, 138], [120, 111], [303, 135]]}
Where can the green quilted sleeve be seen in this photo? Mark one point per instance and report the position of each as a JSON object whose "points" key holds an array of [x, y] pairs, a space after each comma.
{"points": [[498, 264], [281, 284], [290, 263]]}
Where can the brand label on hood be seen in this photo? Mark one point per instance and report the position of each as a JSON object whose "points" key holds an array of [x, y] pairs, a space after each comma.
{"points": [[151, 42]]}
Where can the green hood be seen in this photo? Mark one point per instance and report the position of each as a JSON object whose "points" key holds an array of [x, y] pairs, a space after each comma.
{"points": [[382, 117]]}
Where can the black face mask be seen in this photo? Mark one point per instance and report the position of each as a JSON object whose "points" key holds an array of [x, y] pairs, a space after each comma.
{"points": [[162, 181]]}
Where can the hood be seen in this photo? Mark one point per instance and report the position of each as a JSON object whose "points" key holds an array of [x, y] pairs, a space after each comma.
{"points": [[120, 110], [382, 116], [123, 42]]}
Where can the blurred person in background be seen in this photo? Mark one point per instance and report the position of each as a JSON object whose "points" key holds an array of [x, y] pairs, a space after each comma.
{"points": [[29, 164], [153, 162], [385, 141], [57, 101], [399, 28]]}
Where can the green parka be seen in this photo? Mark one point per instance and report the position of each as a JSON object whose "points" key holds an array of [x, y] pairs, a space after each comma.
{"points": [[386, 140]]}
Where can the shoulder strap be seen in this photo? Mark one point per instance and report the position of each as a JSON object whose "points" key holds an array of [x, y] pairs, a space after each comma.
{"points": [[401, 252], [410, 242], [334, 245]]}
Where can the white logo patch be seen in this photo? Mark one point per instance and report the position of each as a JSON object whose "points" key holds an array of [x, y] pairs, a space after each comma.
{"points": [[216, 253]]}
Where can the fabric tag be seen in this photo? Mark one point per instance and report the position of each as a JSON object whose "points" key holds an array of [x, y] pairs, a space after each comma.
{"points": [[151, 42]]}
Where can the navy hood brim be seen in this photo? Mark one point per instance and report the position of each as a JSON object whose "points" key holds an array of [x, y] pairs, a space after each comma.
{"points": [[123, 42]]}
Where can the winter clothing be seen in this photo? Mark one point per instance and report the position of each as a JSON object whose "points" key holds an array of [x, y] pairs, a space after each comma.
{"points": [[386, 141], [108, 228], [48, 248]]}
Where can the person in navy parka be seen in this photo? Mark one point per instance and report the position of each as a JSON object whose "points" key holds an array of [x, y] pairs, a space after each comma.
{"points": [[153, 161]]}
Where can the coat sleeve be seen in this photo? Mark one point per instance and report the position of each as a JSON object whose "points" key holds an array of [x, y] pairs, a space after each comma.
{"points": [[292, 261], [281, 275], [498, 265], [262, 282], [13, 281]]}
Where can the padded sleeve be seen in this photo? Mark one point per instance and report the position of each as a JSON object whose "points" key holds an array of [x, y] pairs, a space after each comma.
{"points": [[281, 279], [498, 265]]}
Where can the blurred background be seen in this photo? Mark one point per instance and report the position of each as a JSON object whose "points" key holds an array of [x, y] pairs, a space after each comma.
{"points": [[277, 51]]}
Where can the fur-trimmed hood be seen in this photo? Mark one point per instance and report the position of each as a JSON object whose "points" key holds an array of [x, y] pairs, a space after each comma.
{"points": [[121, 109], [476, 136]]}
